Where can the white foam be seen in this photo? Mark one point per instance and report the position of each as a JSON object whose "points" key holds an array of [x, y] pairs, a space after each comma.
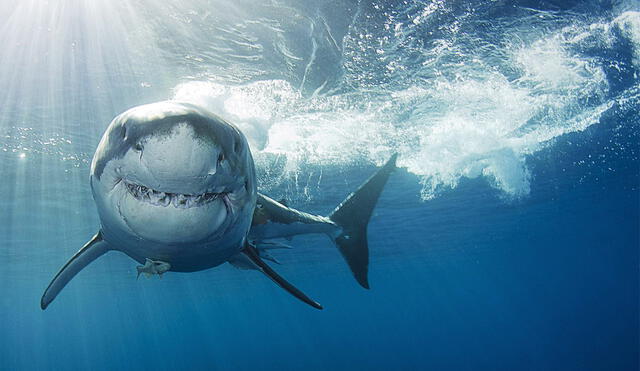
{"points": [[446, 129], [472, 136], [629, 25], [251, 107], [548, 65]]}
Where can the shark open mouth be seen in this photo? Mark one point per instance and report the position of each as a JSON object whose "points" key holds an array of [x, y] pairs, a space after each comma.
{"points": [[178, 200]]}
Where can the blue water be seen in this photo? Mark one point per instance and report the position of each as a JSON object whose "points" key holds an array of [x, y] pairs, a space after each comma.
{"points": [[508, 238]]}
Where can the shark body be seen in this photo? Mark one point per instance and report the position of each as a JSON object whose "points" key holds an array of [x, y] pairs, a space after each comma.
{"points": [[175, 189]]}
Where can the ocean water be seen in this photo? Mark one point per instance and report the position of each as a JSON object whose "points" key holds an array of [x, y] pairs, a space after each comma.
{"points": [[507, 239]]}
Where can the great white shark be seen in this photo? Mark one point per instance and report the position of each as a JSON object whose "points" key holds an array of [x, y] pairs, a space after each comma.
{"points": [[175, 189]]}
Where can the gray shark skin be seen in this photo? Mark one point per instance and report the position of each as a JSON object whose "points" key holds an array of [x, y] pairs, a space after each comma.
{"points": [[175, 189]]}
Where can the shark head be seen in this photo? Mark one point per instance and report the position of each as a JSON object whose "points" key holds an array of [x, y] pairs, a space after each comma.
{"points": [[172, 173]]}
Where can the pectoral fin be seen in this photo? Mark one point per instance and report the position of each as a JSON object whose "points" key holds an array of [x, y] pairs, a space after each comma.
{"points": [[88, 253], [250, 252]]}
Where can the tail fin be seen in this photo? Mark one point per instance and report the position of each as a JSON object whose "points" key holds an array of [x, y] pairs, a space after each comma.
{"points": [[139, 269], [353, 215]]}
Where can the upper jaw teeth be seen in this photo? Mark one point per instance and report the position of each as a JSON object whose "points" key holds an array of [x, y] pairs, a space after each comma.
{"points": [[179, 200]]}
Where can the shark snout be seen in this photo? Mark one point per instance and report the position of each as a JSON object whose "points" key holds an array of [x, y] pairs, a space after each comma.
{"points": [[179, 161]]}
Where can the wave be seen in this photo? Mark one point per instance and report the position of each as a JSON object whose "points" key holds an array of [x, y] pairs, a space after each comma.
{"points": [[458, 89], [481, 117]]}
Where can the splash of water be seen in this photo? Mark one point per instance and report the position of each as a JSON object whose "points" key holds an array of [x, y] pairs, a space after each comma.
{"points": [[483, 123], [456, 96]]}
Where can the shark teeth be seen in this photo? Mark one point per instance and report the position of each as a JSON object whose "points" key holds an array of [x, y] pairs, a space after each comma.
{"points": [[178, 200]]}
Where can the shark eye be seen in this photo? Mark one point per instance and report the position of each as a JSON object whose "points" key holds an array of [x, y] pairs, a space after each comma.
{"points": [[220, 157], [138, 147]]}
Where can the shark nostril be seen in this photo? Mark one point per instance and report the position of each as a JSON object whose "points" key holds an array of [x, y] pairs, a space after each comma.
{"points": [[220, 157]]}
